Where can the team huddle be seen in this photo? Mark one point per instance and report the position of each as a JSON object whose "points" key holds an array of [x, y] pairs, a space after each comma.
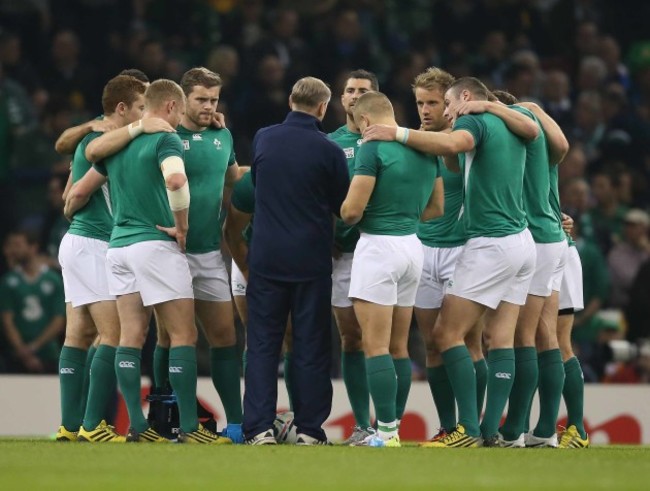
{"points": [[457, 223]]}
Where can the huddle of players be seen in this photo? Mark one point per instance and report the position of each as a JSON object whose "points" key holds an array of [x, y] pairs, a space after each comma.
{"points": [[481, 228]]}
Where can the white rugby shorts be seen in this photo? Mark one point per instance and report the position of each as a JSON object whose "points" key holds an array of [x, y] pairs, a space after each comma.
{"points": [[439, 264], [209, 277]]}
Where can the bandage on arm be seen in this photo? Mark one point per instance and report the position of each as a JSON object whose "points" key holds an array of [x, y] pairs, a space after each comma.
{"points": [[179, 199]]}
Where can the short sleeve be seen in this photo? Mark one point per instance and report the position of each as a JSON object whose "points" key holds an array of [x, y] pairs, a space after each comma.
{"points": [[367, 161], [232, 158], [169, 145], [473, 124]]}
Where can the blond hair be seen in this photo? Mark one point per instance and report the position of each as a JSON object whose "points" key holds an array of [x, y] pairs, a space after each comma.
{"points": [[162, 91], [309, 92], [374, 104], [433, 78]]}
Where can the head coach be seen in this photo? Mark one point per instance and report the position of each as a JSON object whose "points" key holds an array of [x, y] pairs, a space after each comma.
{"points": [[301, 178]]}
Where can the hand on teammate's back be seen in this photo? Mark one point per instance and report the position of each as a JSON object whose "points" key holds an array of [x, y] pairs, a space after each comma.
{"points": [[567, 223], [472, 107], [180, 236], [157, 125], [380, 132]]}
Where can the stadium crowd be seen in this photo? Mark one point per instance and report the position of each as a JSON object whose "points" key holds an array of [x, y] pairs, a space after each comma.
{"points": [[584, 61]]}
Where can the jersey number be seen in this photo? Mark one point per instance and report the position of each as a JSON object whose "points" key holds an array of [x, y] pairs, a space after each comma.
{"points": [[32, 310]]}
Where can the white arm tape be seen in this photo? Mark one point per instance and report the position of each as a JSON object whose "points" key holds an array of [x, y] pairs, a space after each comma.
{"points": [[135, 128], [172, 165], [179, 199]]}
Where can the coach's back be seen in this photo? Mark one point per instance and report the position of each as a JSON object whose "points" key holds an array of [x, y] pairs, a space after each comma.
{"points": [[301, 178]]}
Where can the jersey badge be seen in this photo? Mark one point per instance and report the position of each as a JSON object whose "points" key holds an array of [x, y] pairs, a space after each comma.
{"points": [[217, 143], [349, 152], [186, 144]]}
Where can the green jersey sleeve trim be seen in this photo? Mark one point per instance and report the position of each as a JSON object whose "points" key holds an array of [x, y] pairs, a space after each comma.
{"points": [[243, 194]]}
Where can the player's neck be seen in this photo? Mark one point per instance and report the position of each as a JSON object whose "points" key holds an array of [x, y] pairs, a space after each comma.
{"points": [[387, 120], [191, 125], [352, 127]]}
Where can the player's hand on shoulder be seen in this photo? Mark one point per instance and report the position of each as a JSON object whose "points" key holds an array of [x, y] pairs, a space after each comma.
{"points": [[472, 107], [102, 125], [156, 125], [219, 120], [380, 132], [174, 232]]}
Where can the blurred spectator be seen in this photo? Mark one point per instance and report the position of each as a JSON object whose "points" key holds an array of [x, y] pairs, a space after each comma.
{"points": [[19, 69], [490, 62], [592, 73], [283, 42], [589, 126], [55, 224], [574, 164], [153, 59], [32, 307], [243, 27], [607, 216], [66, 76], [626, 257], [609, 51], [555, 97]]}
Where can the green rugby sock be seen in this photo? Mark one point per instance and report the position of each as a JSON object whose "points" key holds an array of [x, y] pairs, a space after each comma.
{"points": [[574, 394], [353, 367], [481, 369], [382, 384], [501, 375], [84, 390], [522, 392], [182, 376], [102, 385], [160, 366], [224, 368], [443, 396], [403, 371], [127, 369], [72, 362], [460, 371], [551, 382]]}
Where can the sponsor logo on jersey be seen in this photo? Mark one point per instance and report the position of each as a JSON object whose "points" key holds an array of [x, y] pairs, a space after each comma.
{"points": [[197, 137], [186, 145], [349, 152], [217, 143], [175, 369], [126, 364], [66, 371], [503, 375]]}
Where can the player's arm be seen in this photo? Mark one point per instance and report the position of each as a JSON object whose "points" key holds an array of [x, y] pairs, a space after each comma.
{"points": [[233, 174], [519, 124], [558, 145], [68, 185], [233, 228], [178, 195], [357, 199], [436, 205], [113, 141], [432, 142], [70, 138], [81, 192]]}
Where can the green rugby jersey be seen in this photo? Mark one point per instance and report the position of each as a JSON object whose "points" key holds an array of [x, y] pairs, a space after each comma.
{"points": [[542, 221], [447, 230], [243, 198], [94, 220], [405, 179], [346, 236], [208, 154], [493, 175], [554, 200], [34, 303], [138, 193]]}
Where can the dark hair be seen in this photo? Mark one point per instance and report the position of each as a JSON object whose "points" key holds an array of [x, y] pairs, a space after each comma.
{"points": [[364, 75], [122, 88], [473, 85], [200, 76], [135, 73], [505, 97], [31, 236]]}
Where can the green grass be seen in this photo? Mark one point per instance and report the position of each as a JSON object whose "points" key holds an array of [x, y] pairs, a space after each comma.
{"points": [[40, 464]]}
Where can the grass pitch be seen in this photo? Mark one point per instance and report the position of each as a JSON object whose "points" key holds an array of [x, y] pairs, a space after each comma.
{"points": [[42, 464]]}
